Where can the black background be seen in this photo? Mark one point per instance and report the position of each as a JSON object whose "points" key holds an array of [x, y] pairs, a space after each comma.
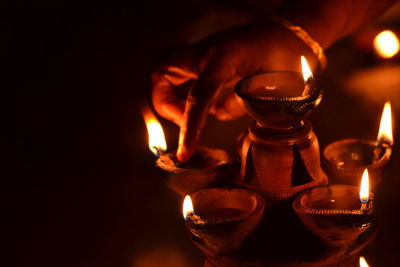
{"points": [[79, 184]]}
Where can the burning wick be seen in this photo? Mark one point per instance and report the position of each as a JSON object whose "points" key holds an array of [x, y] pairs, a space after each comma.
{"points": [[157, 143], [364, 190], [385, 135], [307, 75], [157, 151], [363, 262], [188, 211]]}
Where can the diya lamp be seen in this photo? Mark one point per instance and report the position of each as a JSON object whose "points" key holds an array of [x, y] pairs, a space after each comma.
{"points": [[346, 159], [208, 167], [280, 152], [219, 220], [338, 214]]}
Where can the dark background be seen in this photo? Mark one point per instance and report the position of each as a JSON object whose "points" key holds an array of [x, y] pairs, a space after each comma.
{"points": [[80, 186]]}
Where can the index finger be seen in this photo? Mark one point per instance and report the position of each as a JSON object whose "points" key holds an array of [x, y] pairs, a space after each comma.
{"points": [[198, 103]]}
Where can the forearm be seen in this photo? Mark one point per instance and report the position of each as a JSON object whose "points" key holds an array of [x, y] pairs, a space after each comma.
{"points": [[329, 20]]}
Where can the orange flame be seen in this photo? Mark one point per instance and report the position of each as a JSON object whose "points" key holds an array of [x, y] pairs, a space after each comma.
{"points": [[364, 188], [363, 262], [386, 44], [157, 143], [385, 134], [187, 207], [305, 68]]}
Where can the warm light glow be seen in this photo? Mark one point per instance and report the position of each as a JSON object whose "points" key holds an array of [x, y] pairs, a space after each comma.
{"points": [[305, 68], [364, 188], [386, 44], [385, 134], [187, 207], [363, 262], [157, 142]]}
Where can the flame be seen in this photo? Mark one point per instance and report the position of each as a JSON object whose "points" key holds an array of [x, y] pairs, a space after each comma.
{"points": [[385, 134], [157, 143], [305, 68], [364, 188], [363, 262], [187, 207], [386, 44]]}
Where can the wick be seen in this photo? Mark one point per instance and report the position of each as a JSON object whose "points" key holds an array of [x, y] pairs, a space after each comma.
{"points": [[380, 149], [195, 219], [364, 205], [309, 80], [159, 151], [307, 88], [377, 153]]}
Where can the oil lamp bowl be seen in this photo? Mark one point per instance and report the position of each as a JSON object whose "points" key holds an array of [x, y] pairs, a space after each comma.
{"points": [[228, 216], [345, 160], [209, 167], [333, 213], [276, 100]]}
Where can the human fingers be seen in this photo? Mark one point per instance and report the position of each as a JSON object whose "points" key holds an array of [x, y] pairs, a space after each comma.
{"points": [[198, 104], [171, 83]]}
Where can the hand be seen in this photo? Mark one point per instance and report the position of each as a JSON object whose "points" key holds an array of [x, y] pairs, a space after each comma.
{"points": [[193, 82]]}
